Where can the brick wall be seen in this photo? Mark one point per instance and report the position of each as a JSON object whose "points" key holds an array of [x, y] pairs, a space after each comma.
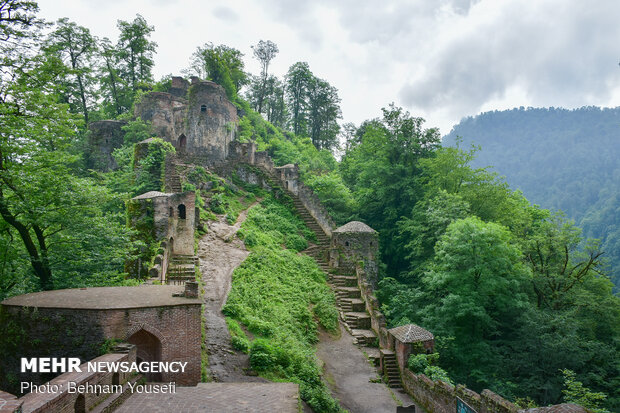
{"points": [[63, 401], [61, 332]]}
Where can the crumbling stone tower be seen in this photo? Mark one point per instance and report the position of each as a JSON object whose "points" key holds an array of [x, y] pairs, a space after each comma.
{"points": [[197, 118], [355, 243], [211, 122]]}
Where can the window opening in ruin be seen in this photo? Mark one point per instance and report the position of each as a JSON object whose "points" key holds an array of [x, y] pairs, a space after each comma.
{"points": [[346, 243], [171, 212], [181, 211], [115, 379], [203, 108], [80, 404]]}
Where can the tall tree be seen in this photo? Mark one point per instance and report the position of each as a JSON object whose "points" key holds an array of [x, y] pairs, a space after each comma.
{"points": [[57, 216], [76, 47], [136, 51], [323, 113], [558, 265], [276, 109], [475, 290], [220, 64], [383, 172], [264, 51], [116, 100], [298, 80]]}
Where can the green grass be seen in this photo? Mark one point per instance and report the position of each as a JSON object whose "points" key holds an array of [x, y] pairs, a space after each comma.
{"points": [[282, 298]]}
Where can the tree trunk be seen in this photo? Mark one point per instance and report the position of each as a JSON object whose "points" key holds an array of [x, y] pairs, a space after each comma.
{"points": [[39, 264]]}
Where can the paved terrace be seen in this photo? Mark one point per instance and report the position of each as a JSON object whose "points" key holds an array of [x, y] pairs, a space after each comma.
{"points": [[104, 298], [219, 398]]}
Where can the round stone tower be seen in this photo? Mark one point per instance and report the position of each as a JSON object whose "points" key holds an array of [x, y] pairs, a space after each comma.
{"points": [[356, 243], [211, 121]]}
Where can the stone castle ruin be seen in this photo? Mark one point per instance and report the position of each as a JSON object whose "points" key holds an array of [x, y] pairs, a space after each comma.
{"points": [[162, 323]]}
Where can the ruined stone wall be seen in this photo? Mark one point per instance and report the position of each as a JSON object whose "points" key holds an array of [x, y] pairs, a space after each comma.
{"points": [[441, 397], [211, 123], [161, 216], [286, 176], [66, 332], [166, 113], [181, 229], [103, 138]]}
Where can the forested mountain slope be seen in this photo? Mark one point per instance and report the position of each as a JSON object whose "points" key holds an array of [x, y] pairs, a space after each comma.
{"points": [[561, 159]]}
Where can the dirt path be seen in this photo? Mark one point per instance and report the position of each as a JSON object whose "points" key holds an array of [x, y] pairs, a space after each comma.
{"points": [[348, 373], [220, 252]]}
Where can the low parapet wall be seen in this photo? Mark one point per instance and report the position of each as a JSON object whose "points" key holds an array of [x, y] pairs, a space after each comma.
{"points": [[70, 392], [287, 177]]}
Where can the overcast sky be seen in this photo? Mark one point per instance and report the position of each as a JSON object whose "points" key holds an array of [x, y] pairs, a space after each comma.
{"points": [[440, 59]]}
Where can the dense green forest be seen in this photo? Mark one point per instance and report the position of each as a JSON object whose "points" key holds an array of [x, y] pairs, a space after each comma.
{"points": [[560, 159], [513, 293]]}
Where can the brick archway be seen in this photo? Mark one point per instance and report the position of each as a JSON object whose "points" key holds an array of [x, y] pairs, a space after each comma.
{"points": [[149, 348]]}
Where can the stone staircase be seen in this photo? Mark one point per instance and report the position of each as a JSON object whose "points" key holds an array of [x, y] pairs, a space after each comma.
{"points": [[348, 296], [181, 268], [173, 179], [322, 238], [390, 368]]}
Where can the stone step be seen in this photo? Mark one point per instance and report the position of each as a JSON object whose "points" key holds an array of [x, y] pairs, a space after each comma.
{"points": [[112, 402], [177, 258], [344, 280], [360, 320], [348, 292], [357, 304], [373, 354], [174, 280], [364, 337]]}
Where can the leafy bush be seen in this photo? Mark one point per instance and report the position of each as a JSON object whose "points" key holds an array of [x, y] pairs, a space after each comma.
{"points": [[238, 338], [282, 297], [261, 355], [295, 242], [423, 364]]}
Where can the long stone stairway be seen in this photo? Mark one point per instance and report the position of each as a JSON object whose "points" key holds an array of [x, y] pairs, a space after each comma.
{"points": [[348, 296]]}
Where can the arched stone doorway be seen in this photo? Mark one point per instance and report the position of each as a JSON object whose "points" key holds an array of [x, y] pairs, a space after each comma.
{"points": [[149, 349], [182, 142]]}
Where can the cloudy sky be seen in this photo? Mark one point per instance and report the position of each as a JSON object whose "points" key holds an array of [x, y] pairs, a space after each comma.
{"points": [[440, 59]]}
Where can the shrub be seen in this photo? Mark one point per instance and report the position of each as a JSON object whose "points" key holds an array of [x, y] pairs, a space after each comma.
{"points": [[423, 364], [261, 355], [295, 242]]}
